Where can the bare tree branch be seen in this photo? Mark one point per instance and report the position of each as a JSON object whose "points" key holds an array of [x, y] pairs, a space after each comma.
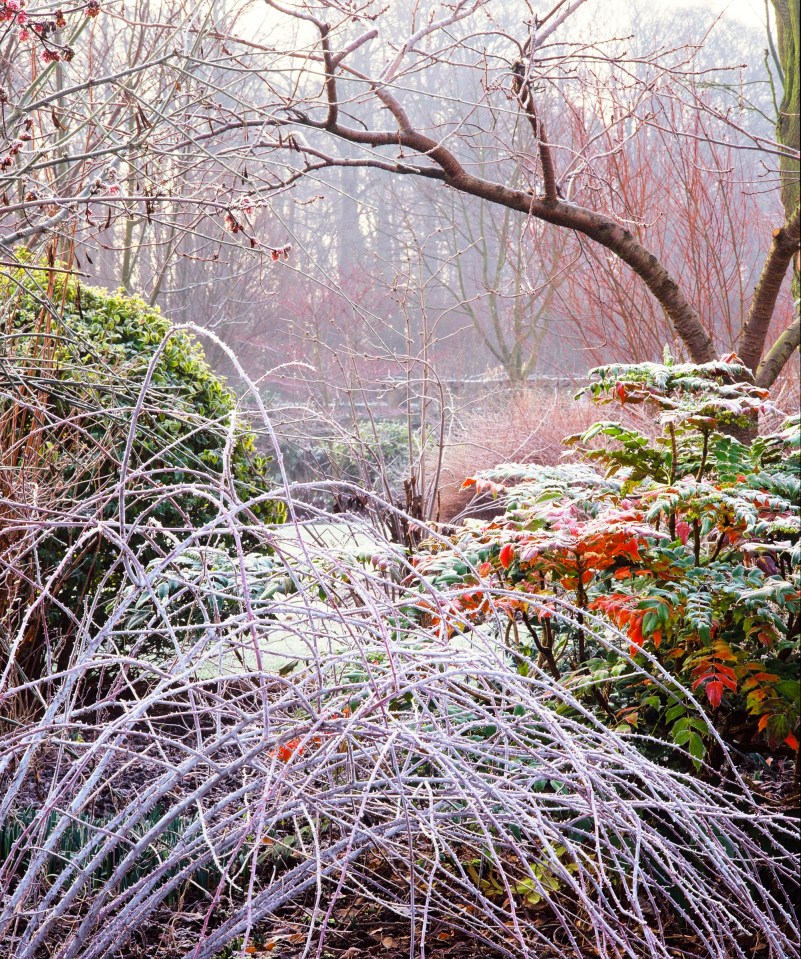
{"points": [[778, 355], [786, 242]]}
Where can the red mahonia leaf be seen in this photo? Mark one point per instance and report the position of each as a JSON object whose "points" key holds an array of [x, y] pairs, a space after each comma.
{"points": [[484, 486], [713, 670], [792, 742], [716, 674], [632, 547], [288, 750], [506, 555], [714, 692], [635, 637]]}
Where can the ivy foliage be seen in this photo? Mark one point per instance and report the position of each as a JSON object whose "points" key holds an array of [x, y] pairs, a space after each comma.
{"points": [[97, 387], [91, 353], [686, 545]]}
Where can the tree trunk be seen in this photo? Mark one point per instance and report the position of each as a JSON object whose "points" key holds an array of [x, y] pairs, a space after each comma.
{"points": [[787, 127]]}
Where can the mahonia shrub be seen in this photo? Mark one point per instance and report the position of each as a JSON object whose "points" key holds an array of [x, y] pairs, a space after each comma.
{"points": [[98, 389], [686, 545]]}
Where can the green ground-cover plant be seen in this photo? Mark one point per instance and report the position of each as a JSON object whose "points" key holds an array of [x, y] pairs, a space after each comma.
{"points": [[22, 831], [687, 544], [98, 389]]}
